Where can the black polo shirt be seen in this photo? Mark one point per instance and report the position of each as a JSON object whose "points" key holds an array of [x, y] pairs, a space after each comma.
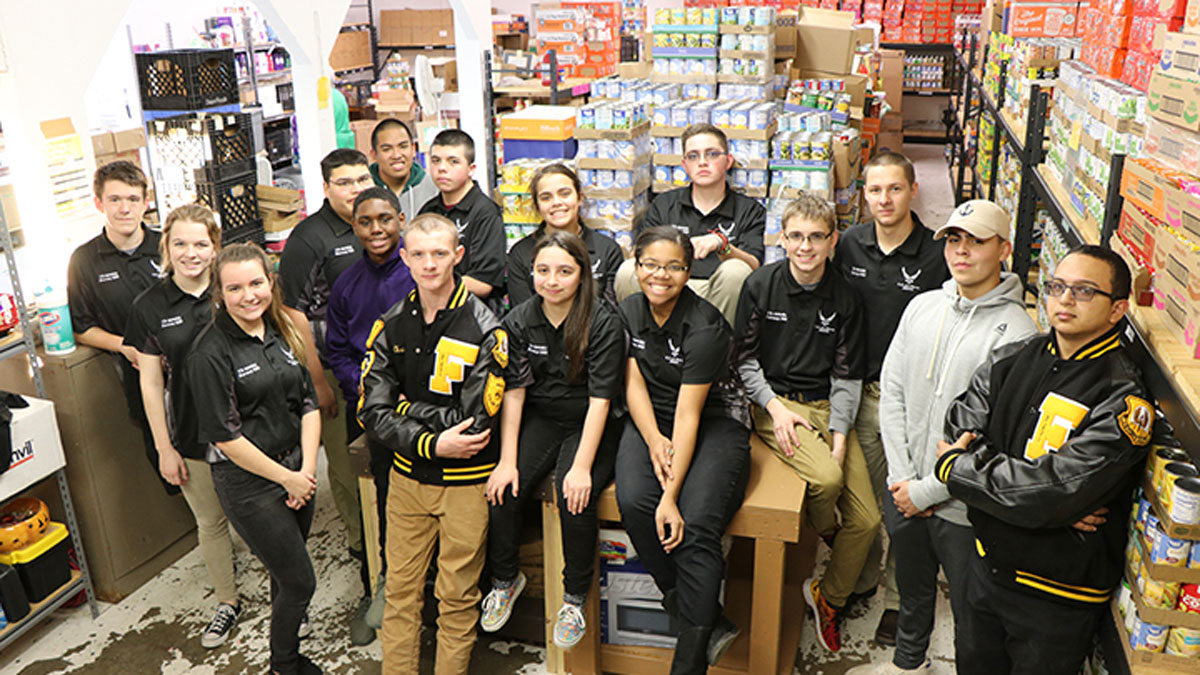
{"points": [[801, 338], [246, 387], [318, 250], [102, 281], [480, 225], [887, 282], [605, 253], [739, 217], [538, 361], [164, 321], [694, 346]]}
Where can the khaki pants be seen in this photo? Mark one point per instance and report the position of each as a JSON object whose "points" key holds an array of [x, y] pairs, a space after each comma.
{"points": [[212, 529], [831, 489], [419, 515], [722, 289], [343, 484], [871, 440]]}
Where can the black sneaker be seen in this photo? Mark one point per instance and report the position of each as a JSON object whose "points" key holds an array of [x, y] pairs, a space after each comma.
{"points": [[220, 626], [724, 634], [885, 634]]}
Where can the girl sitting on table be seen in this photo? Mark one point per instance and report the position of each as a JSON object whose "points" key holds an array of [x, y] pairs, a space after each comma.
{"points": [[556, 193], [257, 405], [163, 322], [566, 352], [684, 456]]}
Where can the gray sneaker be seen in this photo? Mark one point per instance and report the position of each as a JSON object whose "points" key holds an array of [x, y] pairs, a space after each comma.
{"points": [[378, 603], [361, 633], [305, 627], [221, 625]]}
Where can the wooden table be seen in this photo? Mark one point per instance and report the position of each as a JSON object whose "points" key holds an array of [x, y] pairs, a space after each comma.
{"points": [[770, 519]]}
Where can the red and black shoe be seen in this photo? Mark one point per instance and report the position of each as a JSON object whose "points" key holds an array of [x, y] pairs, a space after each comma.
{"points": [[825, 617]]}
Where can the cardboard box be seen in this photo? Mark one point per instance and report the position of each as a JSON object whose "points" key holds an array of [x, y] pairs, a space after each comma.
{"points": [[37, 449], [1041, 19], [825, 40], [539, 123], [847, 162], [1145, 187], [1178, 267], [1191, 17], [1138, 231], [1180, 57], [785, 33], [416, 27], [351, 49], [891, 77], [103, 143], [362, 134], [1174, 101]]}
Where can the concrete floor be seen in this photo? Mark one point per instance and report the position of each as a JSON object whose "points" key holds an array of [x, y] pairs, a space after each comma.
{"points": [[157, 628]]}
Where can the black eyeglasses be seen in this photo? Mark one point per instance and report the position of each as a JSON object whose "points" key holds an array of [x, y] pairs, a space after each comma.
{"points": [[800, 237], [710, 155], [653, 268], [1081, 293]]}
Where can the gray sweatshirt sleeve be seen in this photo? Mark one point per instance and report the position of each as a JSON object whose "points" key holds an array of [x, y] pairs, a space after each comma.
{"points": [[756, 382], [844, 396], [892, 420], [927, 491]]}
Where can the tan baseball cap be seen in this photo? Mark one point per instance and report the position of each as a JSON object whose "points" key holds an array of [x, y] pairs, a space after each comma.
{"points": [[982, 218]]}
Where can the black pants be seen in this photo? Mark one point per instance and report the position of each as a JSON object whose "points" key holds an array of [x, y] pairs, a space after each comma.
{"points": [[922, 545], [546, 444], [275, 534], [1006, 631], [711, 493]]}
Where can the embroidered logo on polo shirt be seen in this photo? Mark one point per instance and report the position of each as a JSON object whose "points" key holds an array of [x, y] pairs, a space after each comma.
{"points": [[107, 277], [171, 322], [291, 358], [777, 316], [539, 350], [673, 358], [343, 250], [637, 343], [158, 269], [596, 268], [858, 272], [460, 225], [825, 323], [910, 280], [727, 229], [247, 370]]}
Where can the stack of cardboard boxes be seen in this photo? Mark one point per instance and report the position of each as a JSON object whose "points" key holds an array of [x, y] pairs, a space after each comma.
{"points": [[110, 146], [602, 38], [416, 27]]}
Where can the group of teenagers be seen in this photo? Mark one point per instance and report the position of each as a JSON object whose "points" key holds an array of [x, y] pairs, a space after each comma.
{"points": [[892, 366]]}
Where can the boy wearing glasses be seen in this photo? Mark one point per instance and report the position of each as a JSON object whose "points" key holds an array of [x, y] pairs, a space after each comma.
{"points": [[318, 250], [726, 227], [1050, 431], [799, 341], [395, 151], [943, 337]]}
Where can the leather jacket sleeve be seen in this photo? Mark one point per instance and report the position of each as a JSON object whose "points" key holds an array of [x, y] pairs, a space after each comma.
{"points": [[380, 403]]}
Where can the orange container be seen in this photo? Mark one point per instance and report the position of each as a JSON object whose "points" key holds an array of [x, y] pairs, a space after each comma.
{"points": [[1043, 19]]}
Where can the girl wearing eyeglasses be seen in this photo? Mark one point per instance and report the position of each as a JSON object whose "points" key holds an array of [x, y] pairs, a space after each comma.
{"points": [[684, 458], [557, 193], [566, 351]]}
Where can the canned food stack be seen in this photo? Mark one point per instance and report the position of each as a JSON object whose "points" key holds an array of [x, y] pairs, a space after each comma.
{"points": [[1160, 600], [520, 213], [802, 156], [614, 165], [685, 48], [747, 51], [820, 95]]}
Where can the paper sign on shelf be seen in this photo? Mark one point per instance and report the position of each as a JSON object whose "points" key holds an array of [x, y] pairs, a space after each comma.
{"points": [[70, 176]]}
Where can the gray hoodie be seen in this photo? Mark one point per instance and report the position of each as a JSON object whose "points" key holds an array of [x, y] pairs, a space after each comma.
{"points": [[942, 339]]}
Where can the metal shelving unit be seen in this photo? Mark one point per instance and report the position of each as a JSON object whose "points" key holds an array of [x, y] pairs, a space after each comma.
{"points": [[79, 581], [926, 135]]}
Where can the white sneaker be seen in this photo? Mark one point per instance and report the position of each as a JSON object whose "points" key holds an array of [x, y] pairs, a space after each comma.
{"points": [[888, 668], [305, 627], [498, 605], [221, 625], [570, 626]]}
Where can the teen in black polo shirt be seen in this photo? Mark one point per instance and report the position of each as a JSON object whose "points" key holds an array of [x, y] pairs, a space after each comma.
{"points": [[107, 272], [479, 220], [318, 250], [257, 406], [684, 457], [163, 323], [567, 353], [800, 352], [890, 260], [726, 228], [556, 191]]}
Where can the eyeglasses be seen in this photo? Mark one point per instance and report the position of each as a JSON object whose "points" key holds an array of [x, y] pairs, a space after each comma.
{"points": [[1080, 292], [800, 237], [350, 182], [710, 155], [654, 268]]}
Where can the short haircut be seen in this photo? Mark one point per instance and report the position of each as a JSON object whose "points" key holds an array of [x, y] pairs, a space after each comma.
{"points": [[382, 194], [122, 170], [700, 129], [653, 235], [889, 158], [388, 123], [429, 223], [456, 138], [1120, 279], [339, 158], [807, 206]]}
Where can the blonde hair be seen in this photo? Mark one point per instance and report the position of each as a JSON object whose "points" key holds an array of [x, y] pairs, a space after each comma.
{"points": [[190, 213], [430, 223], [236, 253], [809, 207]]}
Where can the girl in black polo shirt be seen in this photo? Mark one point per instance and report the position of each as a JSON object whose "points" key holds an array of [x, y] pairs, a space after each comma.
{"points": [[258, 407], [684, 456], [565, 355], [557, 193], [163, 322]]}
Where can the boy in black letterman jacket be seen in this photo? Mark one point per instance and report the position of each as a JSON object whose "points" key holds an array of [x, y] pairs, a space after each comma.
{"points": [[432, 385], [1049, 433]]}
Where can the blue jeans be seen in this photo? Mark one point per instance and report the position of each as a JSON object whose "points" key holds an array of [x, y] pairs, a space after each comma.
{"points": [[276, 534]]}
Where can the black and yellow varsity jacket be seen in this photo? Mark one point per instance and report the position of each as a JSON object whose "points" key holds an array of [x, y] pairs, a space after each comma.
{"points": [[1056, 440], [420, 379]]}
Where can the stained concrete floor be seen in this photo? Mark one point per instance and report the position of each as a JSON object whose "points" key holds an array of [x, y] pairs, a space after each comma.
{"points": [[156, 630]]}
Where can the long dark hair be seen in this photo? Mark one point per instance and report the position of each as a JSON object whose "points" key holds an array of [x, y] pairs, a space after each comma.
{"points": [[236, 253], [579, 319], [556, 169]]}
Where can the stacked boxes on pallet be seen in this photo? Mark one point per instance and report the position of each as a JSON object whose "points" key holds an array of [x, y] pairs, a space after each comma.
{"points": [[685, 48], [602, 44], [521, 216], [614, 167]]}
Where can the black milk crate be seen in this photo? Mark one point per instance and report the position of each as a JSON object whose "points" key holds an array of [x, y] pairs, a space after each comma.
{"points": [[187, 79], [246, 234], [222, 144], [278, 143], [235, 202], [285, 95]]}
